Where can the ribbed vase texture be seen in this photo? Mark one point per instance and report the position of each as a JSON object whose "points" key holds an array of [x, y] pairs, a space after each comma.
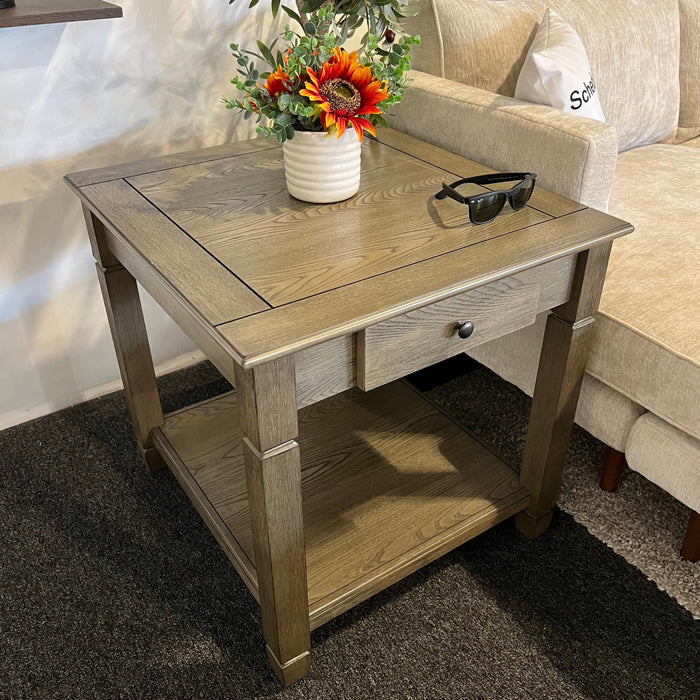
{"points": [[320, 168]]}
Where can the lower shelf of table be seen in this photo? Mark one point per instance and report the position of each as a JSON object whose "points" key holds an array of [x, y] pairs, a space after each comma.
{"points": [[389, 483]]}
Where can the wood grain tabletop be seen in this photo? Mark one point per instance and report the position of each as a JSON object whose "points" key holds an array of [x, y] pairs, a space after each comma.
{"points": [[268, 275]]}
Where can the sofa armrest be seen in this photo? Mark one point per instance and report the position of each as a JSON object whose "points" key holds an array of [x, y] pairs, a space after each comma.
{"points": [[572, 156]]}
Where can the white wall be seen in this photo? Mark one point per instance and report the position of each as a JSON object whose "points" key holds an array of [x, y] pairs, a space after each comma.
{"points": [[83, 95]]}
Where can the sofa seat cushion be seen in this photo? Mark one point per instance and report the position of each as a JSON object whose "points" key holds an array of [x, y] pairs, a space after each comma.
{"points": [[693, 142], [647, 339], [666, 456]]}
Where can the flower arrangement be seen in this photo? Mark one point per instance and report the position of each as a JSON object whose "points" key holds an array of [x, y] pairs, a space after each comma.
{"points": [[314, 83]]}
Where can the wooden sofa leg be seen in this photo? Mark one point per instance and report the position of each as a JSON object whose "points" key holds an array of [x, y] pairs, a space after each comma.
{"points": [[613, 464], [690, 551]]}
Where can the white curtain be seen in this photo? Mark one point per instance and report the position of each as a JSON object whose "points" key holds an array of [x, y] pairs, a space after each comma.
{"points": [[83, 95]]}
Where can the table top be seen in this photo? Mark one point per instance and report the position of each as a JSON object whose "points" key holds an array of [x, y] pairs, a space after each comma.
{"points": [[270, 275]]}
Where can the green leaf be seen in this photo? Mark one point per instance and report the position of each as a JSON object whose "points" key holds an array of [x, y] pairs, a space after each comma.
{"points": [[275, 7], [283, 120], [253, 3], [284, 99], [266, 54], [310, 28], [380, 121], [292, 14], [289, 131], [312, 5]]}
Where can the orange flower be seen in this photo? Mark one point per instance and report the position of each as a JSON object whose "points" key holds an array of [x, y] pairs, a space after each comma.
{"points": [[346, 90], [275, 83]]}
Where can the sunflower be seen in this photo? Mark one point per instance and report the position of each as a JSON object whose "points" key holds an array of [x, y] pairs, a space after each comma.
{"points": [[346, 90], [275, 83]]}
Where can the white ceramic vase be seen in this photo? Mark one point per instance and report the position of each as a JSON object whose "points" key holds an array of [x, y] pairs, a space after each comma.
{"points": [[320, 168]]}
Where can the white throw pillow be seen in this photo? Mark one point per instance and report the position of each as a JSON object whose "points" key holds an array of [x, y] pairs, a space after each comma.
{"points": [[557, 72]]}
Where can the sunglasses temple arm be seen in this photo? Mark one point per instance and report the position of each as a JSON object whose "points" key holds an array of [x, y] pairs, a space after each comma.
{"points": [[448, 191], [503, 177]]}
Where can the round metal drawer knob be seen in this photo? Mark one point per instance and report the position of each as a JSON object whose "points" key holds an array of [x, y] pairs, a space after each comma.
{"points": [[464, 328]]}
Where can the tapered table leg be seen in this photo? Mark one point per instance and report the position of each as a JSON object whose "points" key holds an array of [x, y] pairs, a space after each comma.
{"points": [[268, 416], [125, 315], [561, 368]]}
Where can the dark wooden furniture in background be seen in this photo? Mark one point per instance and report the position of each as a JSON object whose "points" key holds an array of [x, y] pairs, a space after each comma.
{"points": [[320, 493], [690, 550], [29, 12], [613, 466]]}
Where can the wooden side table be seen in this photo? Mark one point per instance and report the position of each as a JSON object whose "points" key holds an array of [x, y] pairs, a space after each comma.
{"points": [[323, 476]]}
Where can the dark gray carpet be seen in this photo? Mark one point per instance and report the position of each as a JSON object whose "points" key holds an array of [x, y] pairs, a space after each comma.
{"points": [[112, 587], [640, 521]]}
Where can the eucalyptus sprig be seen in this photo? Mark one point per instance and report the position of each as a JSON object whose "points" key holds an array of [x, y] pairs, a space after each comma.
{"points": [[381, 17], [279, 98], [391, 66]]}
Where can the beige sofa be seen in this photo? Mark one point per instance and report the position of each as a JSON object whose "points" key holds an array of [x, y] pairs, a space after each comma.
{"points": [[641, 394]]}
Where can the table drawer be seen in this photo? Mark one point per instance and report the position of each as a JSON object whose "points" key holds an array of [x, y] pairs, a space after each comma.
{"points": [[404, 344]]}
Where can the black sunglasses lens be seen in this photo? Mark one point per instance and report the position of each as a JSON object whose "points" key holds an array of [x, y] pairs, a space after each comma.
{"points": [[486, 207], [522, 195]]}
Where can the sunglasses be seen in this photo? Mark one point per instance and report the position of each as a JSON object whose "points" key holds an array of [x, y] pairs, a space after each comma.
{"points": [[487, 206]]}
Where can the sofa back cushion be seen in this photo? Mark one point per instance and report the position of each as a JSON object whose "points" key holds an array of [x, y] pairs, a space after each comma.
{"points": [[689, 118], [633, 47]]}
